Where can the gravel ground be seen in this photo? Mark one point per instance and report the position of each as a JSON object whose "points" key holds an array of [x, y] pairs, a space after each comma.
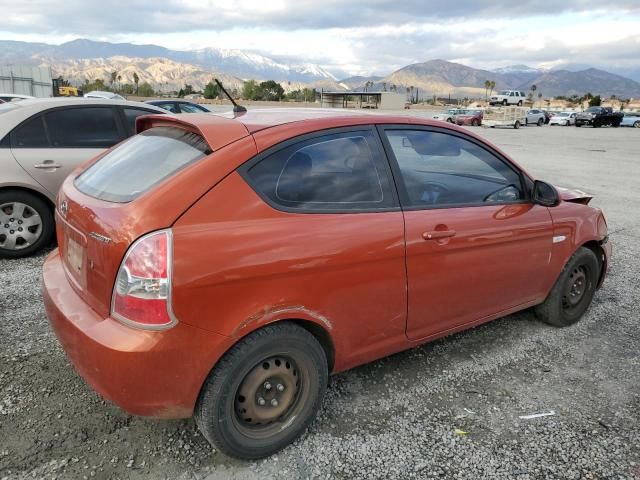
{"points": [[449, 409]]}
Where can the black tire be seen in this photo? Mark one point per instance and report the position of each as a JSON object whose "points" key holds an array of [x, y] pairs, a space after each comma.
{"points": [[35, 206], [474, 123], [520, 103], [615, 124], [568, 300], [636, 124], [578, 124], [504, 102], [540, 122], [219, 412], [516, 125], [596, 124]]}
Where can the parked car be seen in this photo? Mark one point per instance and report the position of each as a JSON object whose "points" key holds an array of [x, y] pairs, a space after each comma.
{"points": [[449, 115], [598, 117], [631, 119], [41, 142], [14, 97], [178, 106], [223, 267], [563, 118], [508, 97], [104, 95], [470, 117], [535, 117]]}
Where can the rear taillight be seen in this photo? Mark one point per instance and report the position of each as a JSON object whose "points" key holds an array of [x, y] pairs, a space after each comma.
{"points": [[142, 291]]}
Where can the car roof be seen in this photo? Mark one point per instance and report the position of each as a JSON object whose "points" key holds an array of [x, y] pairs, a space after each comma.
{"points": [[220, 129]]}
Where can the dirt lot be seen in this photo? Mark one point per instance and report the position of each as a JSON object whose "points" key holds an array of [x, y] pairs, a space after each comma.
{"points": [[395, 418]]}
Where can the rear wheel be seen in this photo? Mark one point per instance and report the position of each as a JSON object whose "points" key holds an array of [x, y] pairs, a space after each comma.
{"points": [[636, 124], [474, 123], [26, 224], [520, 103], [573, 291], [264, 392], [516, 125]]}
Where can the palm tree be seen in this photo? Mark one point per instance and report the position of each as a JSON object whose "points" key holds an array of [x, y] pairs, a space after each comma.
{"points": [[492, 85], [136, 79], [114, 76], [411, 87], [119, 81], [487, 85], [384, 86]]}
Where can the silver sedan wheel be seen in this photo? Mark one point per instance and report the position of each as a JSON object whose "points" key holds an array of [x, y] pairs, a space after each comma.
{"points": [[20, 226]]}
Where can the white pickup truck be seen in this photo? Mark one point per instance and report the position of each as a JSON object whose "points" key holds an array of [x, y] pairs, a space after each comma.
{"points": [[508, 97]]}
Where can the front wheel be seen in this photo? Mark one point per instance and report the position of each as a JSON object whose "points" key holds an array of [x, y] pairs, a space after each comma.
{"points": [[520, 103], [573, 291], [26, 224], [540, 122], [474, 123], [264, 392], [504, 102], [636, 124]]}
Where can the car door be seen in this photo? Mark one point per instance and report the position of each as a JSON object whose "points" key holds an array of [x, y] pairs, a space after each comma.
{"points": [[50, 145], [475, 244]]}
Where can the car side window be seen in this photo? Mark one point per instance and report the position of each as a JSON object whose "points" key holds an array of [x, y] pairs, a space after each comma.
{"points": [[439, 169], [169, 107], [30, 134], [188, 108], [86, 127], [338, 172], [130, 114]]}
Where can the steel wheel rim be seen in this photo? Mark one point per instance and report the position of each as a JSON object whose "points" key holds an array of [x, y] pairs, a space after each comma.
{"points": [[20, 226], [576, 287], [269, 397]]}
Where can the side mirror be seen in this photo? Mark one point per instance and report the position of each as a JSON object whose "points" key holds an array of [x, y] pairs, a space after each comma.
{"points": [[545, 194]]}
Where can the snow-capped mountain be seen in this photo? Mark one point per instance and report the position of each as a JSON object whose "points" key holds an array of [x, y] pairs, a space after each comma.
{"points": [[239, 63]]}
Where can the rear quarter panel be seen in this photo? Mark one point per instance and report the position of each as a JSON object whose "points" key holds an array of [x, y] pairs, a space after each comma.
{"points": [[240, 264]]}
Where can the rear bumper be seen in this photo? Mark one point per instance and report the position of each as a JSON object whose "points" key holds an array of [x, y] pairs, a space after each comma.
{"points": [[149, 373]]}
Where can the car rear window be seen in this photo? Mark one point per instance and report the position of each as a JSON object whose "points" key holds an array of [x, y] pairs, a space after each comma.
{"points": [[141, 162]]}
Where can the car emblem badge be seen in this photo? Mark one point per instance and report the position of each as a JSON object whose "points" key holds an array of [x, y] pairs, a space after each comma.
{"points": [[64, 208], [100, 238]]}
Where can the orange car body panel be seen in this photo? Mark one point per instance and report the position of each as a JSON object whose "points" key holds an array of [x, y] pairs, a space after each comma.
{"points": [[370, 280]]}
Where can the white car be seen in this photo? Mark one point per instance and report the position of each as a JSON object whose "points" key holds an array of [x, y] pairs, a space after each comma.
{"points": [[14, 97], [508, 97], [104, 95], [449, 115], [535, 117], [563, 118]]}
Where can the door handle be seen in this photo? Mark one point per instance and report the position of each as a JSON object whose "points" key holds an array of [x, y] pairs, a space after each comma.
{"points": [[47, 164], [438, 234]]}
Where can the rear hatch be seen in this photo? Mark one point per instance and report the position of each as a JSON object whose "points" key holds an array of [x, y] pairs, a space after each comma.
{"points": [[142, 185]]}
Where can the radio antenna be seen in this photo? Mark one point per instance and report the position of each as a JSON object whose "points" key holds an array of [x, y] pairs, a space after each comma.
{"points": [[236, 108]]}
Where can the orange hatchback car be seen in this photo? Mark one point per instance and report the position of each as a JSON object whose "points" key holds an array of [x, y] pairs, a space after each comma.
{"points": [[223, 266]]}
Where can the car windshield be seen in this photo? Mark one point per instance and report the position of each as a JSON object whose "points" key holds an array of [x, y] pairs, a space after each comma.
{"points": [[593, 109], [140, 163]]}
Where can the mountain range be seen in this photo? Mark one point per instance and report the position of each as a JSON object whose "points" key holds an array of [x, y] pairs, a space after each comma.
{"points": [[169, 69]]}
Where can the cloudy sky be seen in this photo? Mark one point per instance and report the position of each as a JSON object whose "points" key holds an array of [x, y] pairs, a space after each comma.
{"points": [[355, 36]]}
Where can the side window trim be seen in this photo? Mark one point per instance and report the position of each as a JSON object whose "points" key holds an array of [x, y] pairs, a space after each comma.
{"points": [[399, 183], [369, 128], [11, 134], [114, 111]]}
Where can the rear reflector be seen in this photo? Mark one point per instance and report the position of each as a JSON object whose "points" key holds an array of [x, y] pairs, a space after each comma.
{"points": [[142, 291]]}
